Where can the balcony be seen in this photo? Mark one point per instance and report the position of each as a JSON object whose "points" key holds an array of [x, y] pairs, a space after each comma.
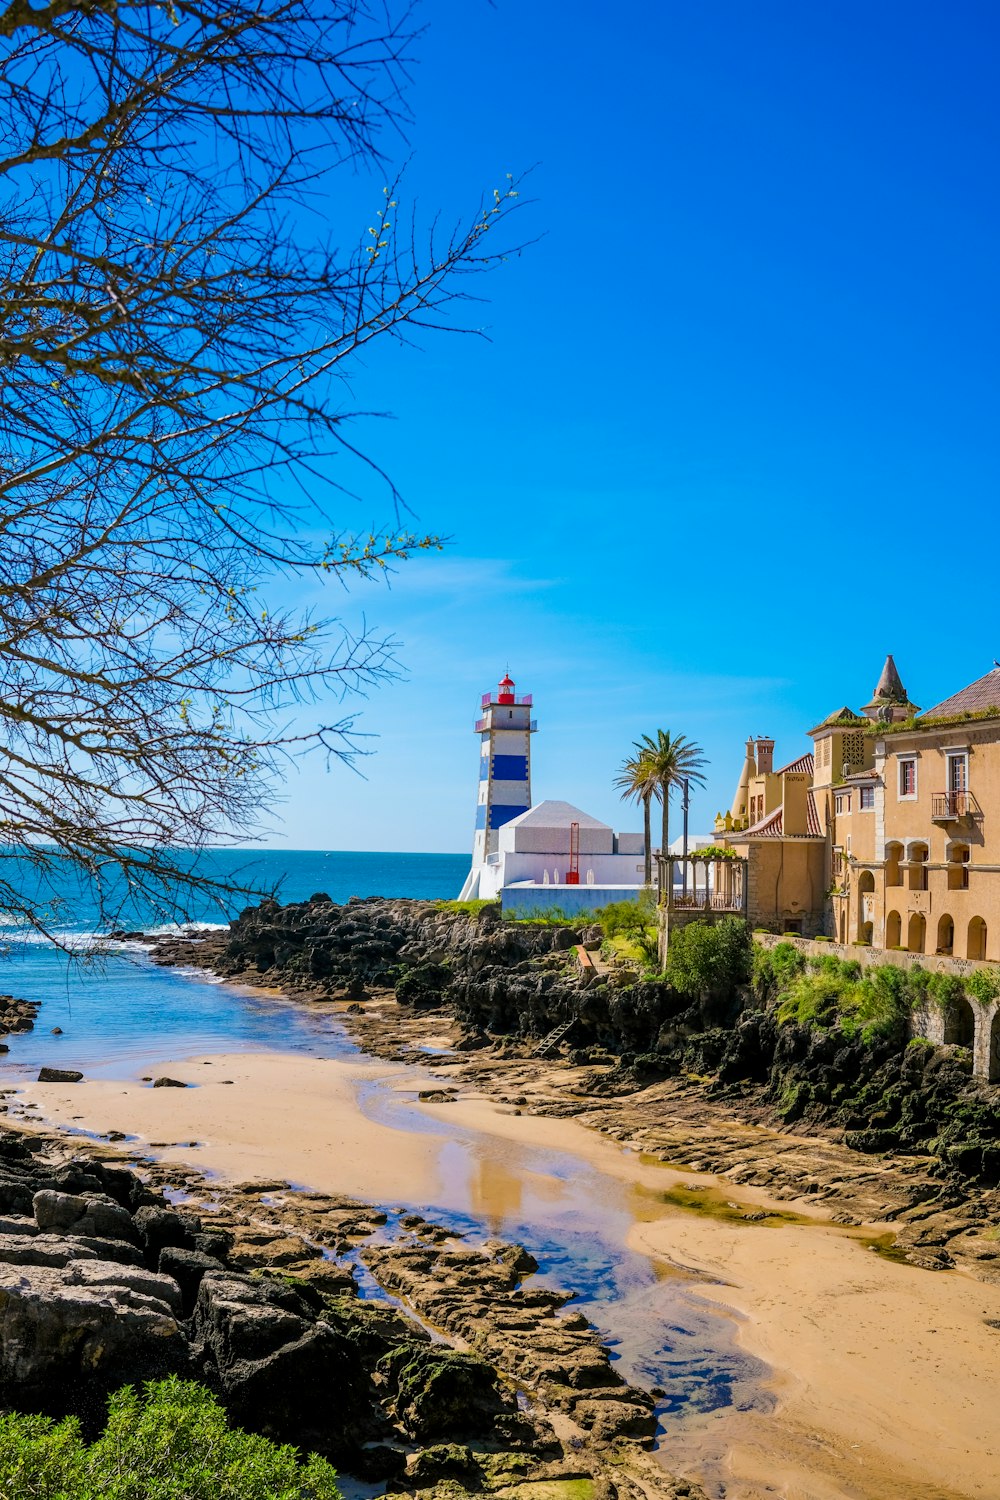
{"points": [[948, 807], [483, 724]]}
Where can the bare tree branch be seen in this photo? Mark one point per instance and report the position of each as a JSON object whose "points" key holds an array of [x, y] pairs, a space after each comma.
{"points": [[175, 337]]}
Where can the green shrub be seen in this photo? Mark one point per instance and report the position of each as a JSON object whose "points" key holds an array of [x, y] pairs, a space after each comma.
{"points": [[775, 968], [983, 985], [944, 989], [834, 993], [709, 958], [173, 1442]]}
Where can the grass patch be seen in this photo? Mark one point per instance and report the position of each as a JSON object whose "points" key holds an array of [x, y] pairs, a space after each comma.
{"points": [[468, 908]]}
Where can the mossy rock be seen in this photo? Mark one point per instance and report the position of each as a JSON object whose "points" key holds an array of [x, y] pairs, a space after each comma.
{"points": [[441, 1393], [443, 1461]]}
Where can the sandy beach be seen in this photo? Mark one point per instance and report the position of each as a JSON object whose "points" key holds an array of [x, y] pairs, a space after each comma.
{"points": [[886, 1374]]}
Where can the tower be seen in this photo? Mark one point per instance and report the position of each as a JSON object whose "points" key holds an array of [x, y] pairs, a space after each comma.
{"points": [[505, 731]]}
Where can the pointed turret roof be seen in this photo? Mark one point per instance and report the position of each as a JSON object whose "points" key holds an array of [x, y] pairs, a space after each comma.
{"points": [[889, 701], [890, 684], [978, 697]]}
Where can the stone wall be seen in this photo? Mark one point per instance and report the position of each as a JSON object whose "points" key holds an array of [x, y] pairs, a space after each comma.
{"points": [[975, 1024]]}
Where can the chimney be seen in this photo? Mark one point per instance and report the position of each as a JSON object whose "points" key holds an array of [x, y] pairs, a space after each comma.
{"points": [[764, 756], [794, 803]]}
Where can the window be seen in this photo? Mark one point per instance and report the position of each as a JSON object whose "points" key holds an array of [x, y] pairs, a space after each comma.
{"points": [[866, 798], [838, 861], [958, 772], [843, 802], [908, 777]]}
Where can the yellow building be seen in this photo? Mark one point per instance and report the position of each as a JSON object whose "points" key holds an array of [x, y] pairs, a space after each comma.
{"points": [[883, 835], [774, 824], [914, 842]]}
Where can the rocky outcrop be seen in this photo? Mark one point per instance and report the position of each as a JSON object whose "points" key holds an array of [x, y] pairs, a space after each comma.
{"points": [[477, 1295], [103, 1282]]}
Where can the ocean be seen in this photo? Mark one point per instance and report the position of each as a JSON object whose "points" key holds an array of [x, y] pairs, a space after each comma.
{"points": [[115, 1010]]}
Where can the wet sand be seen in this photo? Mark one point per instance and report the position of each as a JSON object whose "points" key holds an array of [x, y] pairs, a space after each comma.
{"points": [[887, 1374]]}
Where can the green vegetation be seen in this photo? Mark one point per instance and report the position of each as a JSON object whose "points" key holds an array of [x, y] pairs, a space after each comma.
{"points": [[468, 908], [552, 916], [709, 958], [983, 985], [170, 1443], [833, 993]]}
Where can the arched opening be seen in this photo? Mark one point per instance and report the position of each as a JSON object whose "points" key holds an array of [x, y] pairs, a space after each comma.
{"points": [[893, 873], [976, 946], [866, 906], [945, 934], [958, 867], [960, 1024], [918, 867], [893, 930], [842, 928], [994, 1066], [916, 932]]}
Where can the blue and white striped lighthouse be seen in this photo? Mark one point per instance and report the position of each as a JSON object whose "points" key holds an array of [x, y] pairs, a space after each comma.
{"points": [[505, 731]]}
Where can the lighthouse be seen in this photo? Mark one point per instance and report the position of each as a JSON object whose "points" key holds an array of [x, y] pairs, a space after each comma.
{"points": [[504, 728]]}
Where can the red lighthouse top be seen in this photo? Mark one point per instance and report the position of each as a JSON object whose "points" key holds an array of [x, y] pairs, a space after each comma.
{"points": [[506, 694]]}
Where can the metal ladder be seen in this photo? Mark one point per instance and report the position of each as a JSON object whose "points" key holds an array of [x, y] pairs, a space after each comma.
{"points": [[549, 1043]]}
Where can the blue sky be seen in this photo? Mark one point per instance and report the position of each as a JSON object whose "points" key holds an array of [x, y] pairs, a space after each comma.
{"points": [[734, 433]]}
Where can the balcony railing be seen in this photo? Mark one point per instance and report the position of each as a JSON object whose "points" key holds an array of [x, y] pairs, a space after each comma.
{"points": [[484, 724], [945, 806]]}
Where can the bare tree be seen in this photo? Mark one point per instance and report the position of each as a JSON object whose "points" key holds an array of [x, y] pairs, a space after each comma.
{"points": [[176, 329]]}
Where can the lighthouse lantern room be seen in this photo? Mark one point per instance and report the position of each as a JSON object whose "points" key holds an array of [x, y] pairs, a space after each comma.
{"points": [[505, 729]]}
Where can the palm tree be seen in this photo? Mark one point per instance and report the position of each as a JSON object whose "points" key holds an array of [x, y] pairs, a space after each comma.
{"points": [[669, 761], [638, 784]]}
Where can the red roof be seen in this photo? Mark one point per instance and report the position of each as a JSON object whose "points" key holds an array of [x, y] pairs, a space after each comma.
{"points": [[507, 680], [773, 826], [805, 763]]}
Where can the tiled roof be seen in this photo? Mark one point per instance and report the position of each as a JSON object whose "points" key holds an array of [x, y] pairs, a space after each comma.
{"points": [[862, 776], [773, 826], [981, 694], [840, 716], [805, 763]]}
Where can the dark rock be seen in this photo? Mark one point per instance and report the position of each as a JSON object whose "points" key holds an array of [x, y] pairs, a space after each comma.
{"points": [[438, 1393], [99, 1216], [214, 1242], [71, 1334], [159, 1227], [187, 1267], [443, 1461], [377, 1462], [59, 1075], [169, 1083]]}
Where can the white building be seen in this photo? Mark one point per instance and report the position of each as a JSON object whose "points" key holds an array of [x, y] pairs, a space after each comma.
{"points": [[557, 855]]}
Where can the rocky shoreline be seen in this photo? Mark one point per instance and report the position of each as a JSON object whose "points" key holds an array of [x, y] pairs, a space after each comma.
{"points": [[497, 988], [458, 1376]]}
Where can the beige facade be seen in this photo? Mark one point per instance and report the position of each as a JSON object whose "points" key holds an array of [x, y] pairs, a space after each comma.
{"points": [[915, 837], [773, 824], [888, 835]]}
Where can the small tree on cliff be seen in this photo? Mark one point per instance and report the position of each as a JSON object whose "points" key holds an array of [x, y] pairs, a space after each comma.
{"points": [[176, 325]]}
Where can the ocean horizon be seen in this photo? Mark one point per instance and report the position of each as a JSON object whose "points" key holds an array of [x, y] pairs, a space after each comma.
{"points": [[72, 910], [116, 1008]]}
